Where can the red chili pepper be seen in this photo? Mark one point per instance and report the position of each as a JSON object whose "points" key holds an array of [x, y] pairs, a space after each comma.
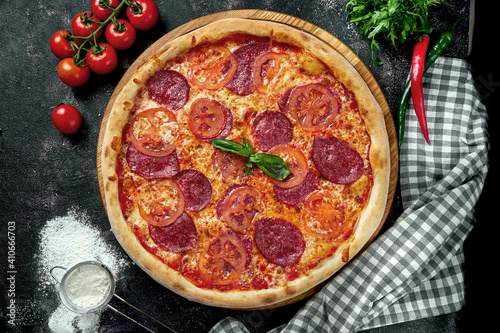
{"points": [[417, 90]]}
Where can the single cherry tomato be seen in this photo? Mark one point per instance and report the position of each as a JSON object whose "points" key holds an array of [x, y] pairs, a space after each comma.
{"points": [[223, 261], [80, 25], [102, 13], [314, 106], [121, 36], [207, 118], [154, 132], [296, 162], [67, 119], [72, 74], [161, 203], [143, 14], [241, 208], [212, 66], [103, 62], [267, 68], [61, 47]]}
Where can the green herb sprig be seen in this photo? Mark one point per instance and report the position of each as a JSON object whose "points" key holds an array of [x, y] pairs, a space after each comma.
{"points": [[394, 20], [272, 165]]}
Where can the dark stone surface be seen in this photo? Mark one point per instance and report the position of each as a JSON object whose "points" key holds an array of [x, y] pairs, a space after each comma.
{"points": [[44, 174]]}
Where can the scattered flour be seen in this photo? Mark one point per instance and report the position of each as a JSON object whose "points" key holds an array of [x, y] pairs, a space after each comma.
{"points": [[66, 241]]}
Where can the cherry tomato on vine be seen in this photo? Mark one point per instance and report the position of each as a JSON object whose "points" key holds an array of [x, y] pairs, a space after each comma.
{"points": [[72, 74], [146, 17], [102, 13], [80, 25], [103, 62], [67, 119], [121, 36], [60, 46]]}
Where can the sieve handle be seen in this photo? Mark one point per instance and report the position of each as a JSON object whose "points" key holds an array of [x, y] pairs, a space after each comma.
{"points": [[159, 322], [52, 274], [135, 321]]}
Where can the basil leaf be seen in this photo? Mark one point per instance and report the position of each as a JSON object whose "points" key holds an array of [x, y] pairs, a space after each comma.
{"points": [[248, 146], [233, 147], [272, 165]]}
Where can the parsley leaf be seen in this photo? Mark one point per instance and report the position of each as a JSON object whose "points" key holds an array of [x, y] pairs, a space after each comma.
{"points": [[394, 20]]}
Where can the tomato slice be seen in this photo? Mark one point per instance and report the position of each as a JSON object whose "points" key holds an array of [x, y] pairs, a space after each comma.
{"points": [[161, 202], [223, 260], [242, 207], [296, 162], [154, 132], [314, 106], [230, 165], [323, 219], [212, 66], [207, 118], [267, 69]]}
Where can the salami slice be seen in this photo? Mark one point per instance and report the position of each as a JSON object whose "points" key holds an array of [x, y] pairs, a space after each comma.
{"points": [[296, 195], [242, 82], [271, 128], [279, 241], [168, 88], [152, 166], [177, 237], [336, 160], [196, 188]]}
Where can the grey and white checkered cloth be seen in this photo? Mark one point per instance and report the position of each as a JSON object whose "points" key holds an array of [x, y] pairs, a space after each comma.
{"points": [[415, 268]]}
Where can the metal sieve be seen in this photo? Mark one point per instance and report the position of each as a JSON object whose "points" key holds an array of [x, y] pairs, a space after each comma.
{"points": [[106, 297]]}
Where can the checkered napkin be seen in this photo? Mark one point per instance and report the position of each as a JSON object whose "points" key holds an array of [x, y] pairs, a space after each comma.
{"points": [[415, 268]]}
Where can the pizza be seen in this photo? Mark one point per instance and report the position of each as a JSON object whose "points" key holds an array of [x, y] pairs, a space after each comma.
{"points": [[301, 189]]}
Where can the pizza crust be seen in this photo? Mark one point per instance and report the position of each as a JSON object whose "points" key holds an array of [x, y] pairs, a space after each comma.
{"points": [[370, 219]]}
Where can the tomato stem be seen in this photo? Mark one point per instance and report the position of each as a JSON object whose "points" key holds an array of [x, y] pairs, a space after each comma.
{"points": [[92, 38]]}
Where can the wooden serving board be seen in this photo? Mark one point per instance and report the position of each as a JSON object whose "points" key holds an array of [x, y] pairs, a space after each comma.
{"points": [[254, 14]]}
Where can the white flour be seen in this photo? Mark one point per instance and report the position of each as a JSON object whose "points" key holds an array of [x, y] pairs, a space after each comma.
{"points": [[87, 286], [66, 241]]}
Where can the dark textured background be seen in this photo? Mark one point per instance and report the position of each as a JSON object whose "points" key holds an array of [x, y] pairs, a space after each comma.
{"points": [[44, 173]]}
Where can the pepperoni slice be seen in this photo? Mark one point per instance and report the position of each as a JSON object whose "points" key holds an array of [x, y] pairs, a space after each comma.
{"points": [[336, 160], [242, 82], [179, 236], [212, 66], [161, 203], [296, 195], [207, 118], [279, 241], [314, 106], [223, 260], [267, 68], [241, 206], [196, 188], [271, 128], [154, 132], [296, 162], [322, 218], [168, 88], [151, 166]]}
